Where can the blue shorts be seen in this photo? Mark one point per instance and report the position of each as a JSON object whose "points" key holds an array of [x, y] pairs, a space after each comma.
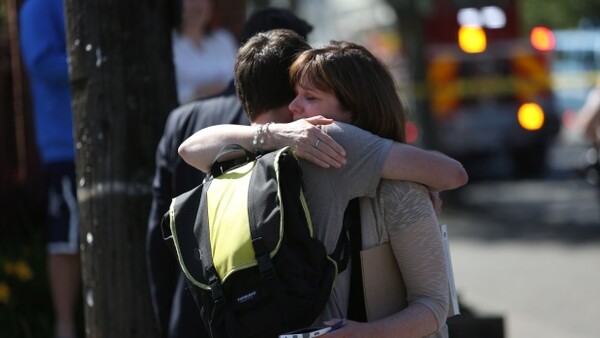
{"points": [[62, 216]]}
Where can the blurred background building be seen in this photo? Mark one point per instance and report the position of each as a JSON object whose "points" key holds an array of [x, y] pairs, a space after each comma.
{"points": [[507, 76]]}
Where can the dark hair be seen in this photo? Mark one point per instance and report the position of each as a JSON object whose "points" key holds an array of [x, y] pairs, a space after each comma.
{"points": [[265, 19], [178, 13], [360, 82], [261, 70]]}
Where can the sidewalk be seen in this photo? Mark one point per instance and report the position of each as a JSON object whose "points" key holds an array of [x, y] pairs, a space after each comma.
{"points": [[529, 252], [548, 290]]}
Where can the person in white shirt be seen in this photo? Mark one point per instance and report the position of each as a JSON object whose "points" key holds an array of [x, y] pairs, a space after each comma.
{"points": [[588, 121], [203, 55]]}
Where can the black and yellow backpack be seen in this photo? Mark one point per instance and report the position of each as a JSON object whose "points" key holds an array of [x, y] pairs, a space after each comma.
{"points": [[244, 240]]}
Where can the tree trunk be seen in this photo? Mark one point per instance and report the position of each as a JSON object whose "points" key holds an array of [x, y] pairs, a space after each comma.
{"points": [[123, 87]]}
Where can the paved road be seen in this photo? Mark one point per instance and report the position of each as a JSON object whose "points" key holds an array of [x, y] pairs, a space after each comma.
{"points": [[530, 252]]}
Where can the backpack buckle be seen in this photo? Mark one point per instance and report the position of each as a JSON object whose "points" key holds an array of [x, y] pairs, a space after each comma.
{"points": [[265, 266], [215, 285]]}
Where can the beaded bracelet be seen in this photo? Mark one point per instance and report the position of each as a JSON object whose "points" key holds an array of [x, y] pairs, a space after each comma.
{"points": [[261, 133], [257, 149]]}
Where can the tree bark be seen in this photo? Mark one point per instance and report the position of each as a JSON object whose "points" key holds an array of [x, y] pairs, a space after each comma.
{"points": [[123, 87]]}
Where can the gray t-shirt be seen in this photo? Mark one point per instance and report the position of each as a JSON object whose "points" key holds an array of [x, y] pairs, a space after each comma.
{"points": [[328, 192]]}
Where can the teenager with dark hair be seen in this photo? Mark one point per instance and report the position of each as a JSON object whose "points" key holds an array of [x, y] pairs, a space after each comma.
{"points": [[174, 308]]}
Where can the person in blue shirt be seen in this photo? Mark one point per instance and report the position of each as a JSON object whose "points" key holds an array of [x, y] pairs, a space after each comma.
{"points": [[43, 48]]}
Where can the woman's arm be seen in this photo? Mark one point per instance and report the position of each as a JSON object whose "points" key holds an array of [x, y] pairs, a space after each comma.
{"points": [[433, 169], [200, 149], [404, 162], [416, 321], [417, 244]]}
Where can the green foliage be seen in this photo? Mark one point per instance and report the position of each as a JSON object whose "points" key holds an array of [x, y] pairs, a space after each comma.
{"points": [[557, 14], [3, 21], [25, 301], [25, 307]]}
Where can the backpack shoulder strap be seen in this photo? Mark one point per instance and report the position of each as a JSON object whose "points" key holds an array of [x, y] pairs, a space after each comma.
{"points": [[230, 157], [356, 304], [341, 253]]}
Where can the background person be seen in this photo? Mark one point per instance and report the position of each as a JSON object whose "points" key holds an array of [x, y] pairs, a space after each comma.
{"points": [[43, 46], [588, 121], [203, 55]]}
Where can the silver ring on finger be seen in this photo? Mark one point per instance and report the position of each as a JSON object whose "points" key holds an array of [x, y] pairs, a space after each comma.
{"points": [[317, 144]]}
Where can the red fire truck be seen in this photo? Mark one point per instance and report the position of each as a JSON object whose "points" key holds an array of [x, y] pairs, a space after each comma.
{"points": [[488, 90]]}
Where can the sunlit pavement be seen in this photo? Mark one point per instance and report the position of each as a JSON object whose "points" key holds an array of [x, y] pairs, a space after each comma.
{"points": [[529, 251]]}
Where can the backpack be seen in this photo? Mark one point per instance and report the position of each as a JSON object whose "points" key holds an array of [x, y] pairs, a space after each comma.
{"points": [[244, 240]]}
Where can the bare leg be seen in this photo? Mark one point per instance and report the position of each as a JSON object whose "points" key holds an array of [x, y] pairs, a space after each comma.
{"points": [[64, 273]]}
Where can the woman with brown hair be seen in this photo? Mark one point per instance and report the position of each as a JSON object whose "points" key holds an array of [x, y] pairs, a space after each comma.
{"points": [[349, 75]]}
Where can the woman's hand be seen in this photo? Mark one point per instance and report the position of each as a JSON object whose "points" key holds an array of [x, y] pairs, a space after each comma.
{"points": [[350, 329], [309, 142], [436, 201]]}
